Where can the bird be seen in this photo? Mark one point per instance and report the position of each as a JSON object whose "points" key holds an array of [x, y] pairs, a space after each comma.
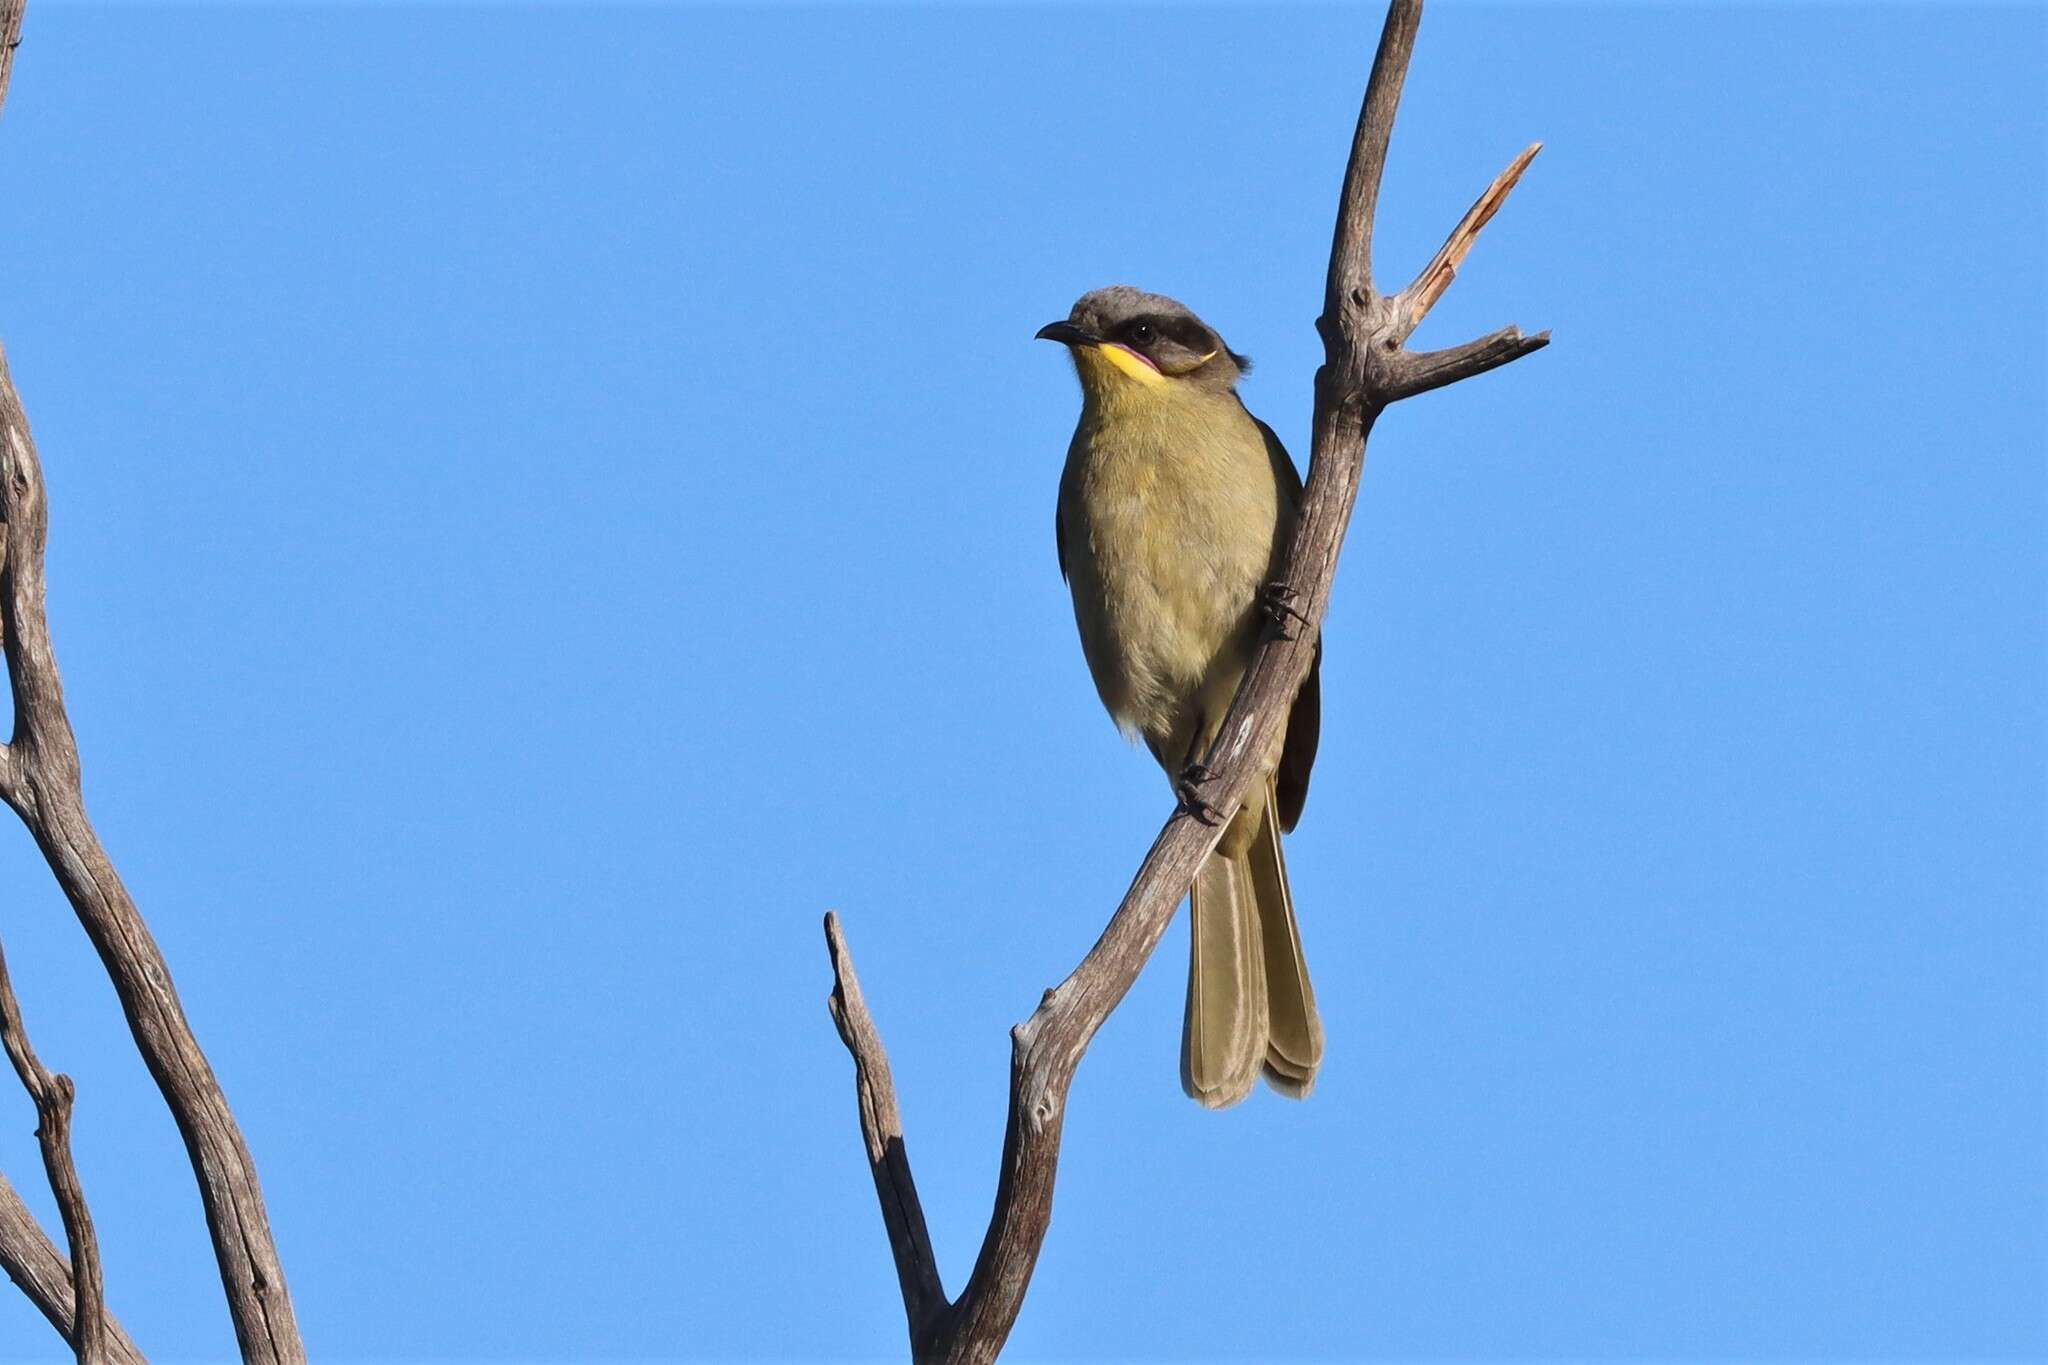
{"points": [[1176, 506]]}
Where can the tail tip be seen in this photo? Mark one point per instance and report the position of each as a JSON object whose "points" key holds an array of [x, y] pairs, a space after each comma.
{"points": [[1295, 1085]]}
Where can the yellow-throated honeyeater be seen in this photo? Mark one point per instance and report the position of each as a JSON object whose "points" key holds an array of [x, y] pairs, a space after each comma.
{"points": [[1175, 509]]}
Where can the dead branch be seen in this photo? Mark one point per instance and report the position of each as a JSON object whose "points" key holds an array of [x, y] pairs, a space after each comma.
{"points": [[53, 1095], [1366, 368], [10, 38], [1436, 277], [33, 1262], [924, 1297], [40, 780]]}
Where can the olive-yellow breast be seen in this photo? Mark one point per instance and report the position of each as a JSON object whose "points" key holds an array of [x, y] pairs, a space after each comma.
{"points": [[1174, 509]]}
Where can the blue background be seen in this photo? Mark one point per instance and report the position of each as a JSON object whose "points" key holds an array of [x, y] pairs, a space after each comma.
{"points": [[547, 501]]}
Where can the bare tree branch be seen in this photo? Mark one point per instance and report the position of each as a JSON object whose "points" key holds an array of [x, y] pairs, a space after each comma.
{"points": [[1365, 369], [1358, 202], [39, 778], [1422, 371], [1421, 296], [11, 12], [53, 1095], [33, 1262], [924, 1298], [41, 781]]}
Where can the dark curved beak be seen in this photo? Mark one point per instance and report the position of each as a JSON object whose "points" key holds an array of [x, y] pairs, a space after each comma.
{"points": [[1067, 334]]}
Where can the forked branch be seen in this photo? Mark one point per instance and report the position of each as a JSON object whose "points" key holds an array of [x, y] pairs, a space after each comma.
{"points": [[1366, 368], [39, 778], [35, 1265]]}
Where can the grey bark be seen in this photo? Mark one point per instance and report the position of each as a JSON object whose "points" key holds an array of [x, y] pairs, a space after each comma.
{"points": [[35, 1265], [52, 1096], [40, 780]]}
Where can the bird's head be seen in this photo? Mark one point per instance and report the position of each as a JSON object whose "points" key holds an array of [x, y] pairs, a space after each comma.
{"points": [[1125, 341]]}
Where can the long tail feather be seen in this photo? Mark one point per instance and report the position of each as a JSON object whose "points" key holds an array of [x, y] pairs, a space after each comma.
{"points": [[1223, 1042], [1294, 1044]]}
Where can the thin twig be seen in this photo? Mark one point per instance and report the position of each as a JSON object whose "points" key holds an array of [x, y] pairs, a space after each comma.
{"points": [[924, 1297], [1365, 369], [40, 779], [33, 1262], [53, 1095]]}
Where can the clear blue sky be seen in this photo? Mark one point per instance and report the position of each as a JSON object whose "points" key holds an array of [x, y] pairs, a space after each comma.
{"points": [[549, 500]]}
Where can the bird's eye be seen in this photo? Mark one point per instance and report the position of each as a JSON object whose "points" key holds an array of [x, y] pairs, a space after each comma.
{"points": [[1142, 334]]}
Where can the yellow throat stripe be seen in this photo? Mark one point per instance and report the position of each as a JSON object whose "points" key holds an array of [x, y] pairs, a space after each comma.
{"points": [[1130, 364]]}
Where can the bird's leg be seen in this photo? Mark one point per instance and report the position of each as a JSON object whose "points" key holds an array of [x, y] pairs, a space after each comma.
{"points": [[1193, 777], [1276, 604]]}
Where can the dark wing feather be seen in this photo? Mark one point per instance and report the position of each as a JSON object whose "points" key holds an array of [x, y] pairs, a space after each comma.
{"points": [[1059, 540], [1283, 463], [1305, 721], [1298, 753]]}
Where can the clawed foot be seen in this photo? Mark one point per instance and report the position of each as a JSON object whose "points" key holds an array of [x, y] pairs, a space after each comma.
{"points": [[1192, 779], [1276, 604]]}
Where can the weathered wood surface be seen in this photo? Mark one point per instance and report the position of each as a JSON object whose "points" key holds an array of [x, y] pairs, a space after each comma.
{"points": [[39, 778]]}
